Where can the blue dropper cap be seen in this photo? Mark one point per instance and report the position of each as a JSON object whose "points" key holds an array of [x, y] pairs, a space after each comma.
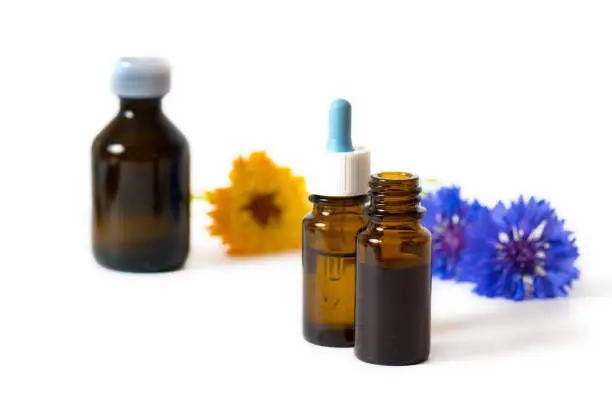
{"points": [[339, 139], [344, 170]]}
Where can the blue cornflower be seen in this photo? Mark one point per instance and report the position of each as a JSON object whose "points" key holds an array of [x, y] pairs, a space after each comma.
{"points": [[447, 217], [520, 253]]}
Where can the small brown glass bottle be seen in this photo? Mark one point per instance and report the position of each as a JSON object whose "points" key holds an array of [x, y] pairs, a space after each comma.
{"points": [[140, 165], [328, 241], [393, 278], [329, 269]]}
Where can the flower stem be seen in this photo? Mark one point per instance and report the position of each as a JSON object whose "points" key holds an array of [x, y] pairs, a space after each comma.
{"points": [[195, 197]]}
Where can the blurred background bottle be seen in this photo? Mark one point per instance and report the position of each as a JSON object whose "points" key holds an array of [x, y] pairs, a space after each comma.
{"points": [[140, 165]]}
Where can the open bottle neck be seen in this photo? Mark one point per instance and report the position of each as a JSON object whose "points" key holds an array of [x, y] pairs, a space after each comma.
{"points": [[395, 199]]}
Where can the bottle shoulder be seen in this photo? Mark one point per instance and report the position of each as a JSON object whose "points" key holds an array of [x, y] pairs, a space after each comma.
{"points": [[378, 233], [125, 134], [332, 234], [393, 247], [396, 228], [330, 222], [173, 132]]}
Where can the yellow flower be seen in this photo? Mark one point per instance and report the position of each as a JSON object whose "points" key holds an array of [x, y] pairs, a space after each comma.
{"points": [[262, 210]]}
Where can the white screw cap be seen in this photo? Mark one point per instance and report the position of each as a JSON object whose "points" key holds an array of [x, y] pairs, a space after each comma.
{"points": [[141, 78]]}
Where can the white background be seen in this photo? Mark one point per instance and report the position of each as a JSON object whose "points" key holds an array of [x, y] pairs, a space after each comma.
{"points": [[500, 97]]}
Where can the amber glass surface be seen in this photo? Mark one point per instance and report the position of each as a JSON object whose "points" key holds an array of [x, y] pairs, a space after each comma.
{"points": [[328, 253], [140, 167], [393, 278]]}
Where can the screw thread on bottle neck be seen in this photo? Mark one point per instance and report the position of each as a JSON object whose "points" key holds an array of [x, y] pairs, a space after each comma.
{"points": [[396, 196]]}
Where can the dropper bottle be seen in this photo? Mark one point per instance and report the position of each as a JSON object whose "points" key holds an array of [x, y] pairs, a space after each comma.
{"points": [[338, 189]]}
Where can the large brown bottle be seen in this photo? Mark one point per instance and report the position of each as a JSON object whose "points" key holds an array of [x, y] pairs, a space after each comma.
{"points": [[140, 165]]}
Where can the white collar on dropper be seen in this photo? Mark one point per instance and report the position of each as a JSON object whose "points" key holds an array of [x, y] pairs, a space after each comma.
{"points": [[344, 170]]}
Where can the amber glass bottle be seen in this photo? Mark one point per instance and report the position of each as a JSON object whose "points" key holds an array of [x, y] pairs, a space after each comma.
{"points": [[329, 269], [338, 187], [140, 165], [393, 282]]}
